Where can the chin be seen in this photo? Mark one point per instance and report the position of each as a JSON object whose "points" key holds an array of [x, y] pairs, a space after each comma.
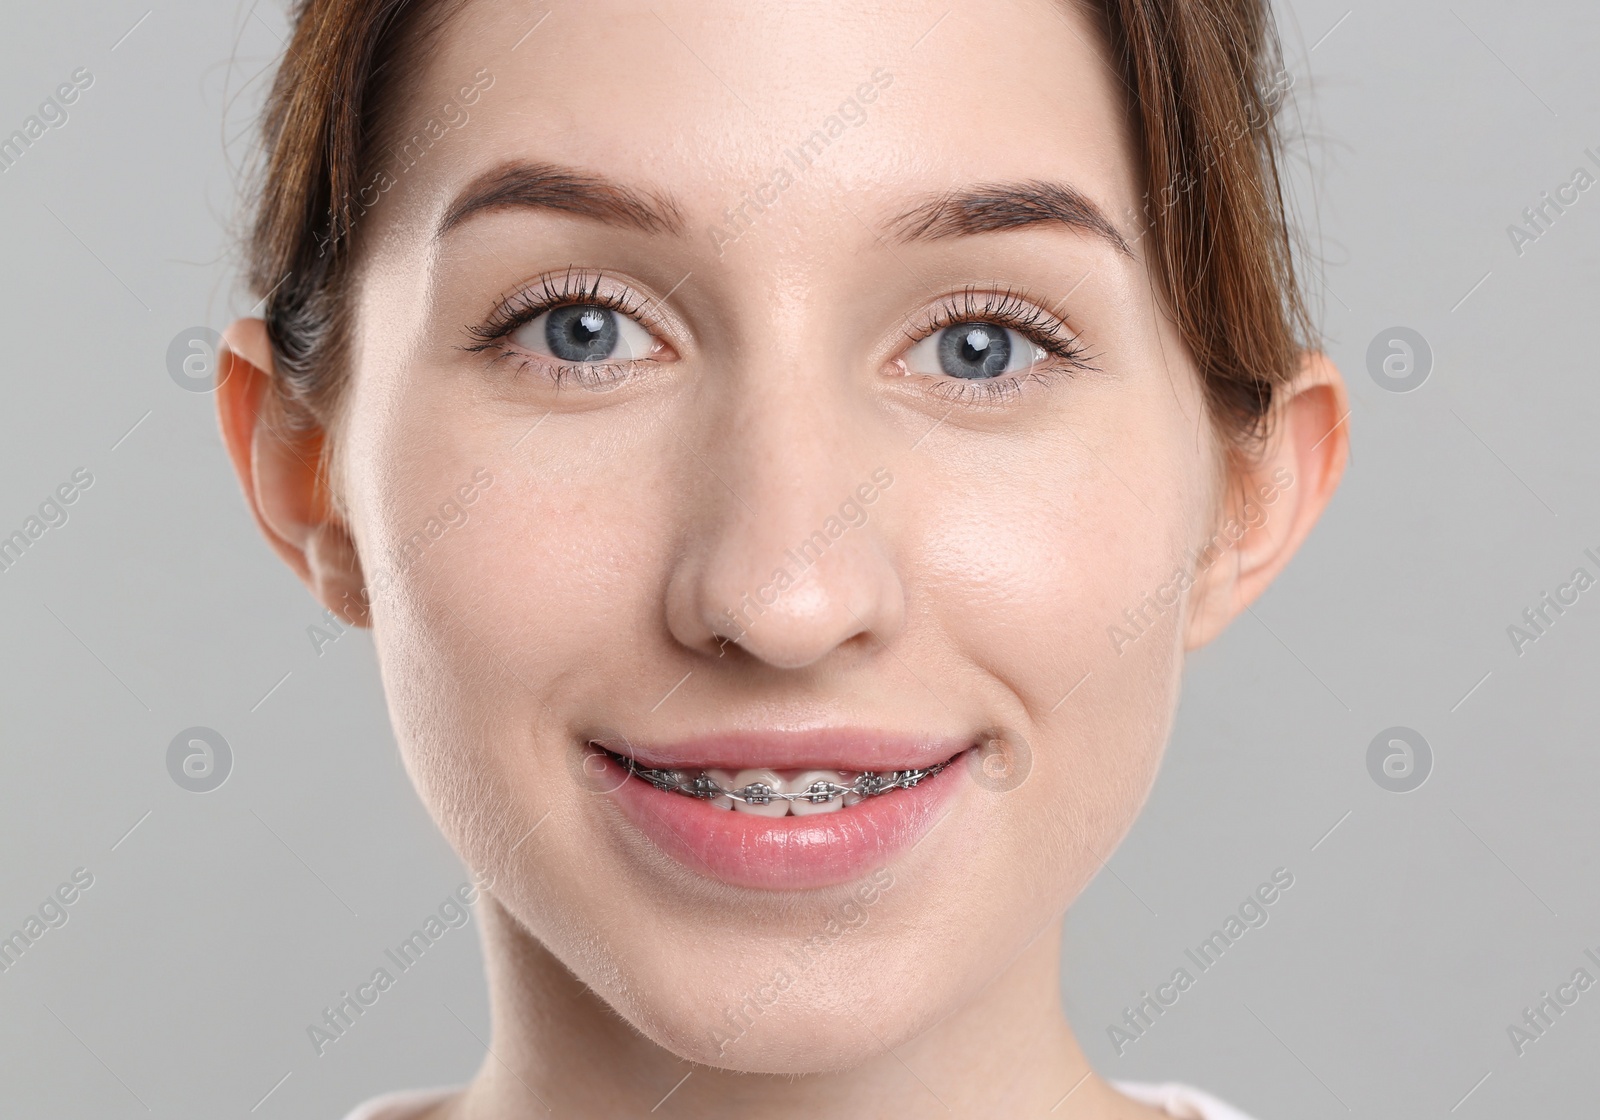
{"points": [[833, 1018]]}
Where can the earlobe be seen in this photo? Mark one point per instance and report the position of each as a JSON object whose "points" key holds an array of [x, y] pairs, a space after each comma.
{"points": [[281, 474], [1274, 500]]}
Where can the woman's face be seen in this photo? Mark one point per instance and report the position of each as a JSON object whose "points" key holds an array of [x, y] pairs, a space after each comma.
{"points": [[855, 431]]}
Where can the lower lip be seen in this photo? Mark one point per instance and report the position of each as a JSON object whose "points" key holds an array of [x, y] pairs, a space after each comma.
{"points": [[784, 853]]}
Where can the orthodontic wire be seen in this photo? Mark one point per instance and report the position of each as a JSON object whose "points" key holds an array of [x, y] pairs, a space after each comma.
{"points": [[868, 783]]}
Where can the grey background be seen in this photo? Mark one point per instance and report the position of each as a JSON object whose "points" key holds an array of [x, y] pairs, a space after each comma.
{"points": [[1417, 929]]}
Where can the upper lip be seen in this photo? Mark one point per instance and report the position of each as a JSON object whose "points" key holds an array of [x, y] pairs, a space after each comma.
{"points": [[832, 748]]}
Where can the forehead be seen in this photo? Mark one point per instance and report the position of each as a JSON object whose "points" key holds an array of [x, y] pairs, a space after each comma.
{"points": [[705, 100]]}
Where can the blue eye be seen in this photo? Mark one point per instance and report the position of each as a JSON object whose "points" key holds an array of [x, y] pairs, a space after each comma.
{"points": [[584, 333], [974, 351]]}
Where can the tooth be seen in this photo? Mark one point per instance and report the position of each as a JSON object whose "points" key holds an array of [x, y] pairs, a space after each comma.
{"points": [[768, 778], [723, 778], [851, 798], [803, 781]]}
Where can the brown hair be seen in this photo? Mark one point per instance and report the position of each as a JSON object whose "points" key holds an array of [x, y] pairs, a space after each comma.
{"points": [[1206, 78], [1203, 78]]}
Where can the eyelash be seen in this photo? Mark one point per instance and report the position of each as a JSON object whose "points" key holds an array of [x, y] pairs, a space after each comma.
{"points": [[525, 306], [1008, 307]]}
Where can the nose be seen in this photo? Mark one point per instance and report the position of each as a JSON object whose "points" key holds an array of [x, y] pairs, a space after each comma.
{"points": [[788, 556]]}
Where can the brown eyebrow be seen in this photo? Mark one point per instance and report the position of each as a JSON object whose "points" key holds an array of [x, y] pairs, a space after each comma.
{"points": [[551, 187], [1001, 206]]}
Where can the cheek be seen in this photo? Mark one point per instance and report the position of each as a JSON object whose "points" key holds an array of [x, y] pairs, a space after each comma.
{"points": [[493, 623], [1033, 585], [1033, 582]]}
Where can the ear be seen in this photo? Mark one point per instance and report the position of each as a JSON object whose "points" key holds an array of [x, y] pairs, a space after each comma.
{"points": [[1272, 502], [281, 474]]}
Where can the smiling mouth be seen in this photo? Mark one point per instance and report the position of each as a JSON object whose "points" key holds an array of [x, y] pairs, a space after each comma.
{"points": [[776, 793]]}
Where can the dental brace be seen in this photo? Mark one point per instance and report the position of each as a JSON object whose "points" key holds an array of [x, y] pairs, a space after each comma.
{"points": [[868, 783]]}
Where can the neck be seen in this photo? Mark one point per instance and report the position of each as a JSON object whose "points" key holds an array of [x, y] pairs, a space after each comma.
{"points": [[557, 1046]]}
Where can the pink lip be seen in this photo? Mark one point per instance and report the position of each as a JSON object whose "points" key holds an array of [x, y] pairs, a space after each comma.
{"points": [[787, 853]]}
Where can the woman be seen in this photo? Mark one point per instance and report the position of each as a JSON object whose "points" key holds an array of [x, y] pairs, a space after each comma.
{"points": [[784, 454]]}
